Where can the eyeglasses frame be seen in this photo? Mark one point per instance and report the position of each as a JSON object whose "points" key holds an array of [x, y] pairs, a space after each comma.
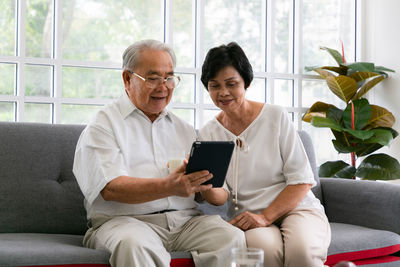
{"points": [[163, 81]]}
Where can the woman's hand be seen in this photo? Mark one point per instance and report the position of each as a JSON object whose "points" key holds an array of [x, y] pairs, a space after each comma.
{"points": [[248, 220]]}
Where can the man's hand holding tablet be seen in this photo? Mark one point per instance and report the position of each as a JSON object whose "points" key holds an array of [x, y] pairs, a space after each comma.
{"points": [[213, 156]]}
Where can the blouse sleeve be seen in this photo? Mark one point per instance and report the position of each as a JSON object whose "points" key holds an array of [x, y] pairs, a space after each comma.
{"points": [[296, 167]]}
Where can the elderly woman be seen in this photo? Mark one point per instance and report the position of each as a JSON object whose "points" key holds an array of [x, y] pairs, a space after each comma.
{"points": [[269, 178]]}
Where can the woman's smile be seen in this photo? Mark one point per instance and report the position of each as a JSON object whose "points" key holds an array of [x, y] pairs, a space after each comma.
{"points": [[225, 101]]}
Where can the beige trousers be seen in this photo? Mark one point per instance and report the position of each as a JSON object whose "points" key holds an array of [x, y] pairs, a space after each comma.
{"points": [[146, 240], [301, 238]]}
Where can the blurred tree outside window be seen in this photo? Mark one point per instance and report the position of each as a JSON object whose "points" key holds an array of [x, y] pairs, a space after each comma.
{"points": [[78, 114], [39, 28], [8, 28], [38, 112], [7, 111], [39, 80], [91, 83], [7, 78], [100, 30]]}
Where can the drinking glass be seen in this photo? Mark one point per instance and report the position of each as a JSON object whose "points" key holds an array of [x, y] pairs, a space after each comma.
{"points": [[175, 160], [247, 257]]}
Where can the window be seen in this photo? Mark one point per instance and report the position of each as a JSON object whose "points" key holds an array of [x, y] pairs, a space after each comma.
{"points": [[60, 60]]}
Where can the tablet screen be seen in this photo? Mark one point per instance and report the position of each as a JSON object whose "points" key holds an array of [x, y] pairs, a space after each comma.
{"points": [[213, 156]]}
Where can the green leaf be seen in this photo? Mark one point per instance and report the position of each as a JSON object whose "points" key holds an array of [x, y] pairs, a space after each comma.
{"points": [[362, 114], [324, 73], [379, 167], [344, 138], [351, 144], [341, 136], [366, 149], [335, 114], [361, 66], [367, 86], [382, 69], [341, 70], [342, 86], [343, 148], [310, 68], [338, 169], [318, 109], [346, 143], [362, 75], [335, 54], [326, 123], [380, 117], [360, 134], [381, 136]]}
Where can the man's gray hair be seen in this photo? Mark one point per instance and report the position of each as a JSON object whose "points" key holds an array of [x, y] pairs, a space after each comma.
{"points": [[132, 53]]}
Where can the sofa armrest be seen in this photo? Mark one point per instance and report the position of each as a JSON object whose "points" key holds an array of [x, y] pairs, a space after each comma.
{"points": [[366, 203]]}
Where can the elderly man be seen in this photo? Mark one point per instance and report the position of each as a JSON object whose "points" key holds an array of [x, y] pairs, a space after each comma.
{"points": [[138, 210]]}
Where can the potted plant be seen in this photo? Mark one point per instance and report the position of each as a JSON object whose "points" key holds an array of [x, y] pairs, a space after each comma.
{"points": [[360, 128]]}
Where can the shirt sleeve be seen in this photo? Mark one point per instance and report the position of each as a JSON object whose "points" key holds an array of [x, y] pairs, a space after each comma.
{"points": [[296, 167], [98, 160]]}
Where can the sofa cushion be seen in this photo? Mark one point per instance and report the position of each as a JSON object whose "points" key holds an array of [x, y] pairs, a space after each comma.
{"points": [[352, 242], [24, 249], [38, 191]]}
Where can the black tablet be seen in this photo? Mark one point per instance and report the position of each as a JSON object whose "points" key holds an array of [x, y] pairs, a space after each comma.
{"points": [[213, 156]]}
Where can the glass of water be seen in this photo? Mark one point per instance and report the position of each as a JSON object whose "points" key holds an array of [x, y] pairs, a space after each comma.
{"points": [[247, 257]]}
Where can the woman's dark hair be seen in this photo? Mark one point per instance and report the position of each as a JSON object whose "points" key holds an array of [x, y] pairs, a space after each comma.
{"points": [[223, 56]]}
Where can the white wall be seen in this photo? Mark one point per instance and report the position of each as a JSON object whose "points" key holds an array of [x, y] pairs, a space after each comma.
{"points": [[381, 45]]}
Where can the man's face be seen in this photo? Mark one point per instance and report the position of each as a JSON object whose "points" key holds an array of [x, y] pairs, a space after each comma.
{"points": [[152, 63]]}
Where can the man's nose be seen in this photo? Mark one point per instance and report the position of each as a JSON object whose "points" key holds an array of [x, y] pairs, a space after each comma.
{"points": [[162, 86]]}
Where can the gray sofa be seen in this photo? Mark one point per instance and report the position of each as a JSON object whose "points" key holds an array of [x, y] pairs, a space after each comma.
{"points": [[42, 218]]}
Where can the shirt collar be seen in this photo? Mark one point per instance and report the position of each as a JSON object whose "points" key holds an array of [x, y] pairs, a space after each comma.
{"points": [[127, 107]]}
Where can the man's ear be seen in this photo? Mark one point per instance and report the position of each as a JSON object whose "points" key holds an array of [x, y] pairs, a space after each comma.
{"points": [[126, 77]]}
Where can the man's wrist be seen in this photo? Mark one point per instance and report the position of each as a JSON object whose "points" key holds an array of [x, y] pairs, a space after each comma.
{"points": [[166, 185]]}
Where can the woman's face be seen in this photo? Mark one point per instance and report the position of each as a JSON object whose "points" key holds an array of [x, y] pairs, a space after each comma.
{"points": [[226, 89]]}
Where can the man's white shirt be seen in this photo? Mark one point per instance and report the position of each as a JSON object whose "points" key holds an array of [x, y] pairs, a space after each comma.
{"points": [[122, 141]]}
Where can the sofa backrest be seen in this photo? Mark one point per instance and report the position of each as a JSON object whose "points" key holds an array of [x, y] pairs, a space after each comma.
{"points": [[38, 192], [308, 145]]}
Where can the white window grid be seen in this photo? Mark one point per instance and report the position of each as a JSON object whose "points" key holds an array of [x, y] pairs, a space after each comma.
{"points": [[57, 62]]}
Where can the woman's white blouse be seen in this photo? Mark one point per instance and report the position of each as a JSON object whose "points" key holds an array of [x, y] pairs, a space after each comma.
{"points": [[272, 156]]}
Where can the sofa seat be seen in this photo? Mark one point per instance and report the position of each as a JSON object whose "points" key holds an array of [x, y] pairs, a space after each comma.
{"points": [[29, 249], [22, 249], [362, 245]]}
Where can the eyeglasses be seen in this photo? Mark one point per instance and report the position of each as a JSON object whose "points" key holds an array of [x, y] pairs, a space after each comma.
{"points": [[153, 82]]}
